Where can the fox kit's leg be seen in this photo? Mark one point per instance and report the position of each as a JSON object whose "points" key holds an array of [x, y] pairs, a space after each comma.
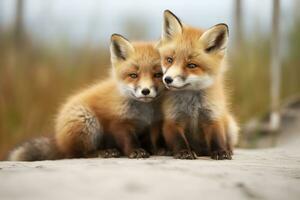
{"points": [[158, 146], [154, 138], [78, 131], [176, 141], [215, 135], [127, 140], [107, 147]]}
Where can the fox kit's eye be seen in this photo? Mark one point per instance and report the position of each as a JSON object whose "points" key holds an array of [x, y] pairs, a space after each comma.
{"points": [[133, 75], [158, 75], [170, 60], [192, 65]]}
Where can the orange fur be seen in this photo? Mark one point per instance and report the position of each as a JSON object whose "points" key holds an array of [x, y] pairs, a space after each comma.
{"points": [[103, 109], [195, 62]]}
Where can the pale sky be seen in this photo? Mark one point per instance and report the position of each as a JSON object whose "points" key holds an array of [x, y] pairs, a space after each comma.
{"points": [[95, 20]]}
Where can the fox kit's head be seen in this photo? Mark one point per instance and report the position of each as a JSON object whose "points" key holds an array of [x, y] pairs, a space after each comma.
{"points": [[136, 67], [191, 58]]}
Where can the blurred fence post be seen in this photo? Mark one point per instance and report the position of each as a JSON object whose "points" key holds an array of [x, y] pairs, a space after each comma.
{"points": [[275, 68], [296, 5], [1, 13], [19, 23], [238, 30]]}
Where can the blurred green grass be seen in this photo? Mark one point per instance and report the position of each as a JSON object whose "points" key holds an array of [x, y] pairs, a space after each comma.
{"points": [[35, 80], [249, 76]]}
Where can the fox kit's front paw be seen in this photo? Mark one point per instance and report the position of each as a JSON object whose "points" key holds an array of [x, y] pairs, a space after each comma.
{"points": [[110, 153], [221, 155], [139, 153], [163, 152], [185, 154]]}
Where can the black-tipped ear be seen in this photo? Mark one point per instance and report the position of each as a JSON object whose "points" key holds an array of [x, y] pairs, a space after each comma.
{"points": [[120, 47], [171, 25], [215, 39]]}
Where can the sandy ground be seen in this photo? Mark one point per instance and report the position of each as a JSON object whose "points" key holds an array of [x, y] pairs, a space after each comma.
{"points": [[252, 174]]}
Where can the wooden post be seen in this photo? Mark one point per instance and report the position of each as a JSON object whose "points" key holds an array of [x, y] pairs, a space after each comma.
{"points": [[296, 6], [275, 67], [238, 30], [19, 23]]}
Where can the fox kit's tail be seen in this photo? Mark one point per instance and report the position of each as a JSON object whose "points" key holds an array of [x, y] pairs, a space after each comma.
{"points": [[233, 130], [42, 148]]}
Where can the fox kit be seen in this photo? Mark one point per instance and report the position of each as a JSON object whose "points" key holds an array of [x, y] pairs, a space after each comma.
{"points": [[196, 115], [111, 114]]}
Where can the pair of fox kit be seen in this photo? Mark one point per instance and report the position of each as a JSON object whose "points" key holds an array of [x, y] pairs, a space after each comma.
{"points": [[165, 97]]}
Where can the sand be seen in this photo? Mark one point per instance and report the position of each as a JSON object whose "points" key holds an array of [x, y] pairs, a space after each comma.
{"points": [[252, 174]]}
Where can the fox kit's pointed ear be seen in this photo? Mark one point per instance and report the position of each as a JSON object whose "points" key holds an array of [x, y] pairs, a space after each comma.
{"points": [[215, 39], [171, 25], [120, 48]]}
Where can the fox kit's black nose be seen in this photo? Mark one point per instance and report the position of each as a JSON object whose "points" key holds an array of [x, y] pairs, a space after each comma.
{"points": [[145, 91], [168, 80]]}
